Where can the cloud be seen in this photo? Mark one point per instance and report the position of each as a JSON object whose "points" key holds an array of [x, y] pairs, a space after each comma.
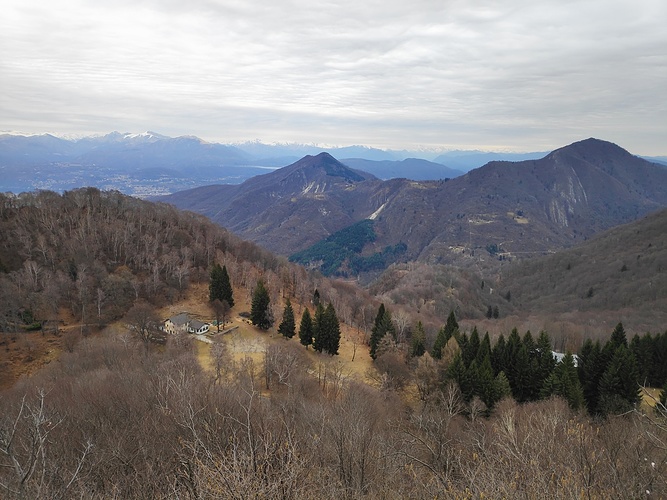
{"points": [[512, 74]]}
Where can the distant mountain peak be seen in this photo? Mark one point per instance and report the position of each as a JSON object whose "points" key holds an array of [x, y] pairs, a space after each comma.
{"points": [[329, 165], [592, 147]]}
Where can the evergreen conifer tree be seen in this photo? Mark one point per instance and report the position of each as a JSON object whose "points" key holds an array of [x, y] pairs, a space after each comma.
{"points": [[287, 327], [545, 357], [215, 283], [306, 328], [260, 314], [440, 342], [486, 386], [618, 336], [444, 334], [451, 325], [564, 382], [418, 343], [590, 368], [318, 328], [619, 390], [484, 349], [219, 285], [502, 386], [332, 331], [521, 374], [498, 356], [383, 325], [471, 347]]}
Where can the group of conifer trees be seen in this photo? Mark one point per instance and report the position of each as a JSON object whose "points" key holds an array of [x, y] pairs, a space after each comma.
{"points": [[321, 331], [603, 378], [611, 374]]}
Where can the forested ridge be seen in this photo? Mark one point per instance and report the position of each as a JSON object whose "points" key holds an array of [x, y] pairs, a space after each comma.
{"points": [[443, 412]]}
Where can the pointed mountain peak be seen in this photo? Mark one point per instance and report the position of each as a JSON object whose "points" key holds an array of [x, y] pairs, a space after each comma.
{"points": [[327, 165]]}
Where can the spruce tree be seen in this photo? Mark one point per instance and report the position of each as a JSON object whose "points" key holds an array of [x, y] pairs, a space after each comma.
{"points": [[332, 330], [484, 350], [444, 334], [219, 285], [227, 292], [215, 284], [618, 336], [590, 368], [318, 328], [287, 327], [619, 390], [260, 314], [520, 376], [306, 329], [502, 386], [486, 385], [451, 326], [564, 382], [418, 343], [440, 342], [471, 347], [498, 355], [383, 325], [545, 357]]}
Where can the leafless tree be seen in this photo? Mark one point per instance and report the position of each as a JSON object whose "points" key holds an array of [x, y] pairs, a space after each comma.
{"points": [[221, 311], [142, 321]]}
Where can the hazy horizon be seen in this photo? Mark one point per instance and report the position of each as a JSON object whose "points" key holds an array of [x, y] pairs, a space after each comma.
{"points": [[513, 76]]}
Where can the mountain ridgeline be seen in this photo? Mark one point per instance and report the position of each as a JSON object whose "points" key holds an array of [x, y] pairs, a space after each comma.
{"points": [[501, 211]]}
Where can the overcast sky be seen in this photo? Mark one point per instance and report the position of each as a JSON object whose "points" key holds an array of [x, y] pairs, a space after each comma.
{"points": [[520, 75]]}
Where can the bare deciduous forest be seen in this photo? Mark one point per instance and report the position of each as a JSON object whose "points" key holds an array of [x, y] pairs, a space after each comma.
{"points": [[129, 413]]}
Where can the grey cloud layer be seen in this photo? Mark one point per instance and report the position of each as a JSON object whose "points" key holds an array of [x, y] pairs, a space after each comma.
{"points": [[517, 74]]}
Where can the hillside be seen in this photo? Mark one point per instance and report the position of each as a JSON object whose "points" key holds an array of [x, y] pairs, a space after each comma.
{"points": [[499, 212], [291, 208], [256, 415], [575, 293], [509, 210], [621, 270]]}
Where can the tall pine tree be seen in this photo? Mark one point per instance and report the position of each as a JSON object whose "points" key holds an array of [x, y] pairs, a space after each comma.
{"points": [[306, 328], [444, 334], [418, 341], [332, 328], [564, 382], [287, 327], [383, 325], [260, 314], [219, 285], [619, 390], [318, 327]]}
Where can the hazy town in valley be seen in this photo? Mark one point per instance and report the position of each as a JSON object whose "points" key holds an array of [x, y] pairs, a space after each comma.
{"points": [[333, 250]]}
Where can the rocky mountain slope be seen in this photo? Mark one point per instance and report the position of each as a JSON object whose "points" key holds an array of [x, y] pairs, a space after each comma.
{"points": [[501, 211]]}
